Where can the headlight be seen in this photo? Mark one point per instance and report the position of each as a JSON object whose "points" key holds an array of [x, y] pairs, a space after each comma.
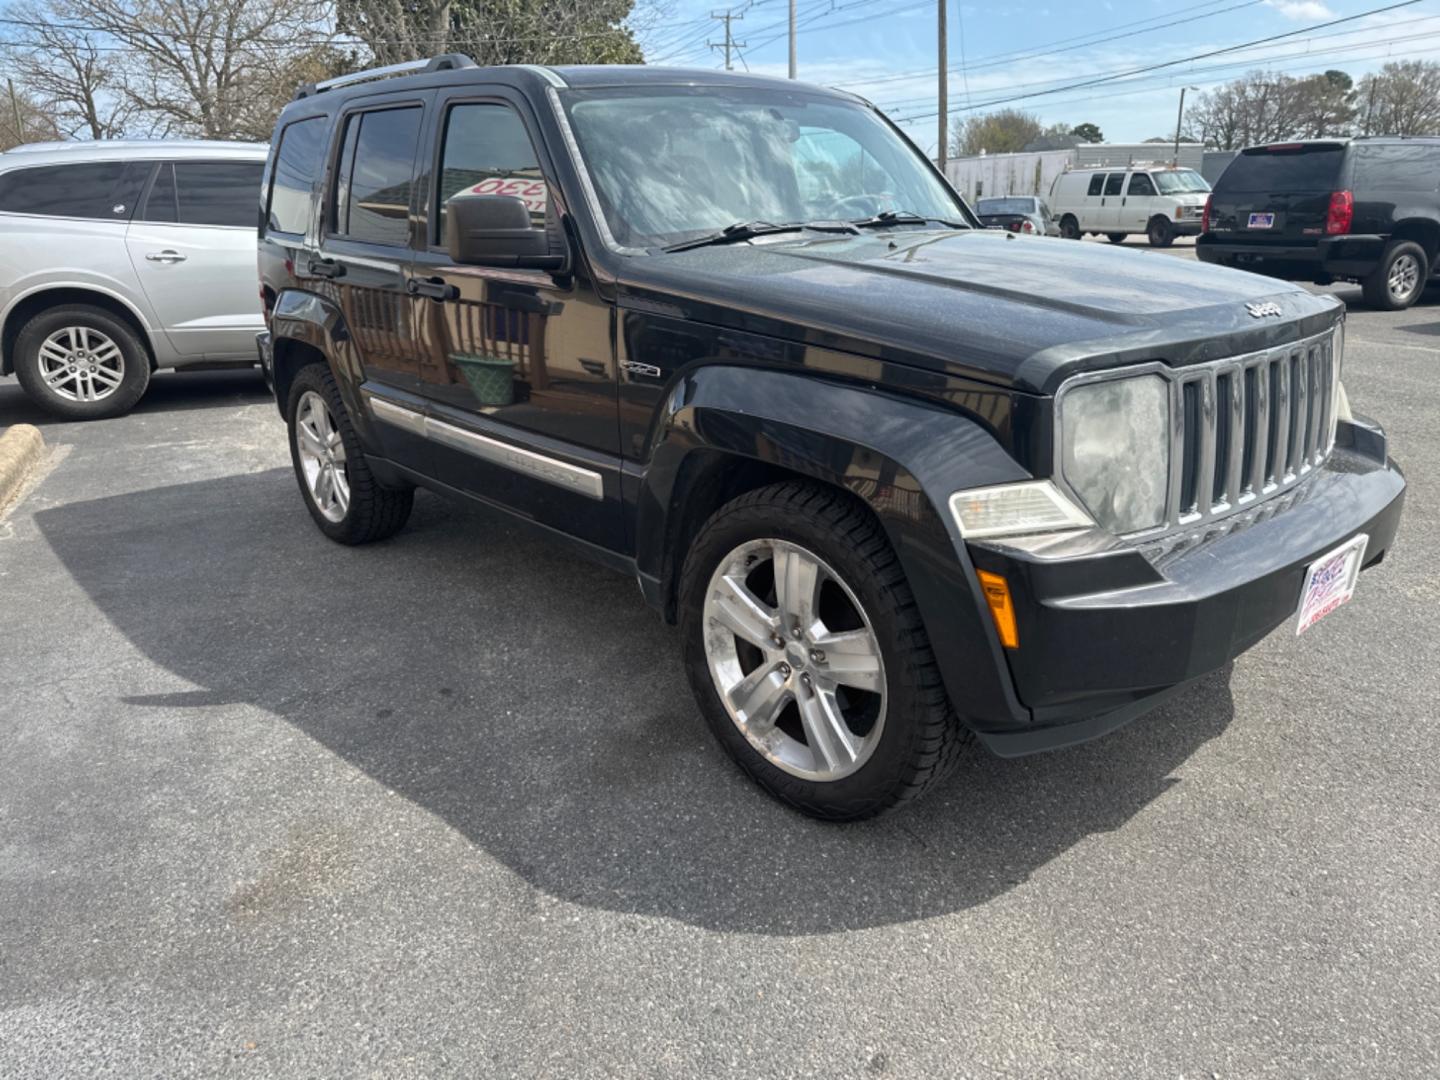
{"points": [[1115, 450]]}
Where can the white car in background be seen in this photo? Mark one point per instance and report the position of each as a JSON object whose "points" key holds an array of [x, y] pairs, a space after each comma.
{"points": [[118, 258], [1158, 201]]}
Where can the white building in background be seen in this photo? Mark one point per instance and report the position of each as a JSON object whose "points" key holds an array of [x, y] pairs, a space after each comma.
{"points": [[1032, 172]]}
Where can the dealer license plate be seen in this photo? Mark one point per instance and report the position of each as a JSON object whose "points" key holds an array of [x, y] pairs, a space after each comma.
{"points": [[1262, 221], [1330, 582]]}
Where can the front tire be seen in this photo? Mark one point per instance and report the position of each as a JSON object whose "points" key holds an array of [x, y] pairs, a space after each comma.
{"points": [[807, 656], [1400, 277], [81, 362], [1160, 232], [343, 496]]}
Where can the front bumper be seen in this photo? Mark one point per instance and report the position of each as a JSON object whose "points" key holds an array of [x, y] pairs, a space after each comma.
{"points": [[1347, 256], [1105, 638]]}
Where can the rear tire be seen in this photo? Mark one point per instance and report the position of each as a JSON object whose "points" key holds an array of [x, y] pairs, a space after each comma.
{"points": [[1070, 227], [1116, 237], [1399, 278], [348, 504], [81, 362], [842, 736], [1160, 232]]}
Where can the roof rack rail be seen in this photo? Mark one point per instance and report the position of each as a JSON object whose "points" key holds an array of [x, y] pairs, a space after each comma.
{"points": [[446, 62]]}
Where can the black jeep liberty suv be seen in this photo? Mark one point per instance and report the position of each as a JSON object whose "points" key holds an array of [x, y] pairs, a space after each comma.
{"points": [[902, 482]]}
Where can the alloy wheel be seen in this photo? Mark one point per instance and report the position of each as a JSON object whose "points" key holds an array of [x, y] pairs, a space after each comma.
{"points": [[794, 659], [80, 363], [322, 457], [1403, 277]]}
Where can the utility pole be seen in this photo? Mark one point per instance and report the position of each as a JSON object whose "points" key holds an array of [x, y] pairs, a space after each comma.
{"points": [[944, 150], [792, 39], [1180, 119], [729, 44], [15, 108]]}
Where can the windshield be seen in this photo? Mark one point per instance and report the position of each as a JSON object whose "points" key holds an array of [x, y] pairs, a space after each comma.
{"points": [[1005, 206], [1179, 182], [671, 164]]}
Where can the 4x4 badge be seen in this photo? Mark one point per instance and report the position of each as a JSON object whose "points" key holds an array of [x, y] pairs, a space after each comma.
{"points": [[1259, 311]]}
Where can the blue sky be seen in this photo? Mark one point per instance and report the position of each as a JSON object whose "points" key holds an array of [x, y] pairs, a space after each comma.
{"points": [[886, 50]]}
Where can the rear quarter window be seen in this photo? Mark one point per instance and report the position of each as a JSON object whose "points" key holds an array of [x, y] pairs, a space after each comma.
{"points": [[1414, 167], [1307, 168], [104, 190], [297, 161]]}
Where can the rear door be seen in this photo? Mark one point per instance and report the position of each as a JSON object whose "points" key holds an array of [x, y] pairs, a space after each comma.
{"points": [[1278, 194], [1107, 216], [193, 247]]}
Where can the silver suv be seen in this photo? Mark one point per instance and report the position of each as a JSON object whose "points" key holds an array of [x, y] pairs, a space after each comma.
{"points": [[118, 258]]}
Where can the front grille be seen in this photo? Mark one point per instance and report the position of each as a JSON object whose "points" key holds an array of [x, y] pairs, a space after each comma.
{"points": [[1247, 427]]}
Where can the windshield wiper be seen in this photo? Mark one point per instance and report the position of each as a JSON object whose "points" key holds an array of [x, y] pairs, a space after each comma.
{"points": [[904, 217], [746, 230]]}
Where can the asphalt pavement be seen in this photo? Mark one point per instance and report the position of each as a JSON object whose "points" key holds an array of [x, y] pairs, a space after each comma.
{"points": [[442, 806]]}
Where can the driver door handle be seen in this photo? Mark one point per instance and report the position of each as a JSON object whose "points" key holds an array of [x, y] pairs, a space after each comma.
{"points": [[166, 256], [435, 288]]}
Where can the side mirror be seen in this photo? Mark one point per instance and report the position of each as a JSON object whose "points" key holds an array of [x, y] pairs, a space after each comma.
{"points": [[495, 230]]}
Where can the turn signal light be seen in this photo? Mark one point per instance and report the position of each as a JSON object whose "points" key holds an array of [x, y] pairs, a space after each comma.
{"points": [[1002, 611], [1341, 213]]}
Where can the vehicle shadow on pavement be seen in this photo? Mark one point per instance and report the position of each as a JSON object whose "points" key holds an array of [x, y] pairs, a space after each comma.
{"points": [[169, 391], [533, 702]]}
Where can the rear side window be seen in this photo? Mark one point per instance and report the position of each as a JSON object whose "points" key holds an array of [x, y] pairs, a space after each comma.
{"points": [[1113, 183], [488, 152], [1096, 183], [1140, 185], [1297, 167], [297, 161], [206, 193], [377, 167], [1406, 167], [105, 190]]}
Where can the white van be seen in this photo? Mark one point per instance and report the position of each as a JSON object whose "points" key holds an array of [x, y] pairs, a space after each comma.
{"points": [[1161, 201]]}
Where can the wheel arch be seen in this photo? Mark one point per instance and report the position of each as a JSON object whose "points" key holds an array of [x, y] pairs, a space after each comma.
{"points": [[1423, 231], [307, 328], [49, 296], [728, 430]]}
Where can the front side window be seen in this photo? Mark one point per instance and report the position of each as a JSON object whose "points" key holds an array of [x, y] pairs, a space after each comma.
{"points": [[297, 161], [1140, 184], [1112, 184], [105, 190], [1097, 182], [377, 169], [488, 152], [672, 164]]}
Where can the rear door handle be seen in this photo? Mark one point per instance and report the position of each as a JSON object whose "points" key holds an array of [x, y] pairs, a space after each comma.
{"points": [[433, 287], [166, 256], [326, 268]]}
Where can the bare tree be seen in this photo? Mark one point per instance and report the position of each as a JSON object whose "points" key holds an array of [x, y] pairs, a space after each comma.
{"points": [[73, 74], [1401, 99], [1000, 132], [1266, 107], [22, 118]]}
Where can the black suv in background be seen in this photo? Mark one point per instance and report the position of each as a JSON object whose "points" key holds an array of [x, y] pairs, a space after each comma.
{"points": [[902, 481], [1365, 210]]}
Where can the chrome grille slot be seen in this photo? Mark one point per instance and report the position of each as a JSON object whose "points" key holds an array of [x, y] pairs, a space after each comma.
{"points": [[1245, 428]]}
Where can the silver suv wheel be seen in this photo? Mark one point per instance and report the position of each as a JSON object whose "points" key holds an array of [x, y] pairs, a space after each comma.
{"points": [[322, 457], [794, 659], [79, 363], [1404, 276]]}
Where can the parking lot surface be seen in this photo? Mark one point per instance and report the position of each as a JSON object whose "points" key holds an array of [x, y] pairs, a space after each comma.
{"points": [[443, 806]]}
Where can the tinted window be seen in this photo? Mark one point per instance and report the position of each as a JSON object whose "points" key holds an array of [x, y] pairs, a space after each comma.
{"points": [[1413, 167], [1113, 182], [1297, 168], [487, 152], [160, 204], [218, 192], [101, 189], [374, 188], [1140, 185], [297, 161], [1096, 183]]}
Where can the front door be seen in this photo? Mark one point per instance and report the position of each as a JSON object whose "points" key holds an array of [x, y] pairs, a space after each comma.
{"points": [[193, 247], [1140, 198], [518, 365]]}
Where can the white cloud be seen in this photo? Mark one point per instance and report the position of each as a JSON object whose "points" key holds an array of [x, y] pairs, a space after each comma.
{"points": [[1301, 9]]}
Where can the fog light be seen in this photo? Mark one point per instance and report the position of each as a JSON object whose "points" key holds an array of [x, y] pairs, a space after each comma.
{"points": [[1002, 611]]}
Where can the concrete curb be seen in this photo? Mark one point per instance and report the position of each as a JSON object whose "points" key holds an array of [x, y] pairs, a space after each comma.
{"points": [[21, 447]]}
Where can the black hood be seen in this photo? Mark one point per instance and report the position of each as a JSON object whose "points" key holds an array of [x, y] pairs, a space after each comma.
{"points": [[1011, 310]]}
